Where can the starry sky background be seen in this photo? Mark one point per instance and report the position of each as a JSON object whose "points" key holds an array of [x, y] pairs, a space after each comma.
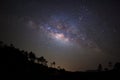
{"points": [[76, 34]]}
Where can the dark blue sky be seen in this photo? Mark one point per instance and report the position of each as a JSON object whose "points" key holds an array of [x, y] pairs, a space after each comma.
{"points": [[77, 34]]}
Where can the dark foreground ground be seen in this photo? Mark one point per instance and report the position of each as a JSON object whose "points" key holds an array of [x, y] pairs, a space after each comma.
{"points": [[64, 76], [19, 64]]}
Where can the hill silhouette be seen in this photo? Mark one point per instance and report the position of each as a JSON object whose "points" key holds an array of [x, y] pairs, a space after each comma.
{"points": [[20, 64]]}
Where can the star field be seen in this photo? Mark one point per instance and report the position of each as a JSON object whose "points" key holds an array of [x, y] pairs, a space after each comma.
{"points": [[76, 34], [65, 29]]}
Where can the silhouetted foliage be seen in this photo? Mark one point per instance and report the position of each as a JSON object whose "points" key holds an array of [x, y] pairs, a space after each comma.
{"points": [[53, 64], [42, 61], [1, 43], [100, 67], [106, 69], [117, 67], [110, 65], [32, 57], [59, 67], [20, 63]]}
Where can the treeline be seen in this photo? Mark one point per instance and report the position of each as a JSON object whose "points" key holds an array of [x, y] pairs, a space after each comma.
{"points": [[22, 64], [15, 61]]}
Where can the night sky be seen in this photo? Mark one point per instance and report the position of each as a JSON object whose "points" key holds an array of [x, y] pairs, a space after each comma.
{"points": [[76, 34]]}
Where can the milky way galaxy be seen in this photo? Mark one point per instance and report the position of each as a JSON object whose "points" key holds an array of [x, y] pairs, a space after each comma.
{"points": [[65, 29], [76, 34]]}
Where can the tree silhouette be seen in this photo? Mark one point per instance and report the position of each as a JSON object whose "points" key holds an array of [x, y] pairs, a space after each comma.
{"points": [[25, 53], [1, 43], [53, 64], [11, 45], [106, 69], [58, 67], [100, 67], [110, 65], [42, 61], [117, 67], [32, 57], [45, 62]]}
